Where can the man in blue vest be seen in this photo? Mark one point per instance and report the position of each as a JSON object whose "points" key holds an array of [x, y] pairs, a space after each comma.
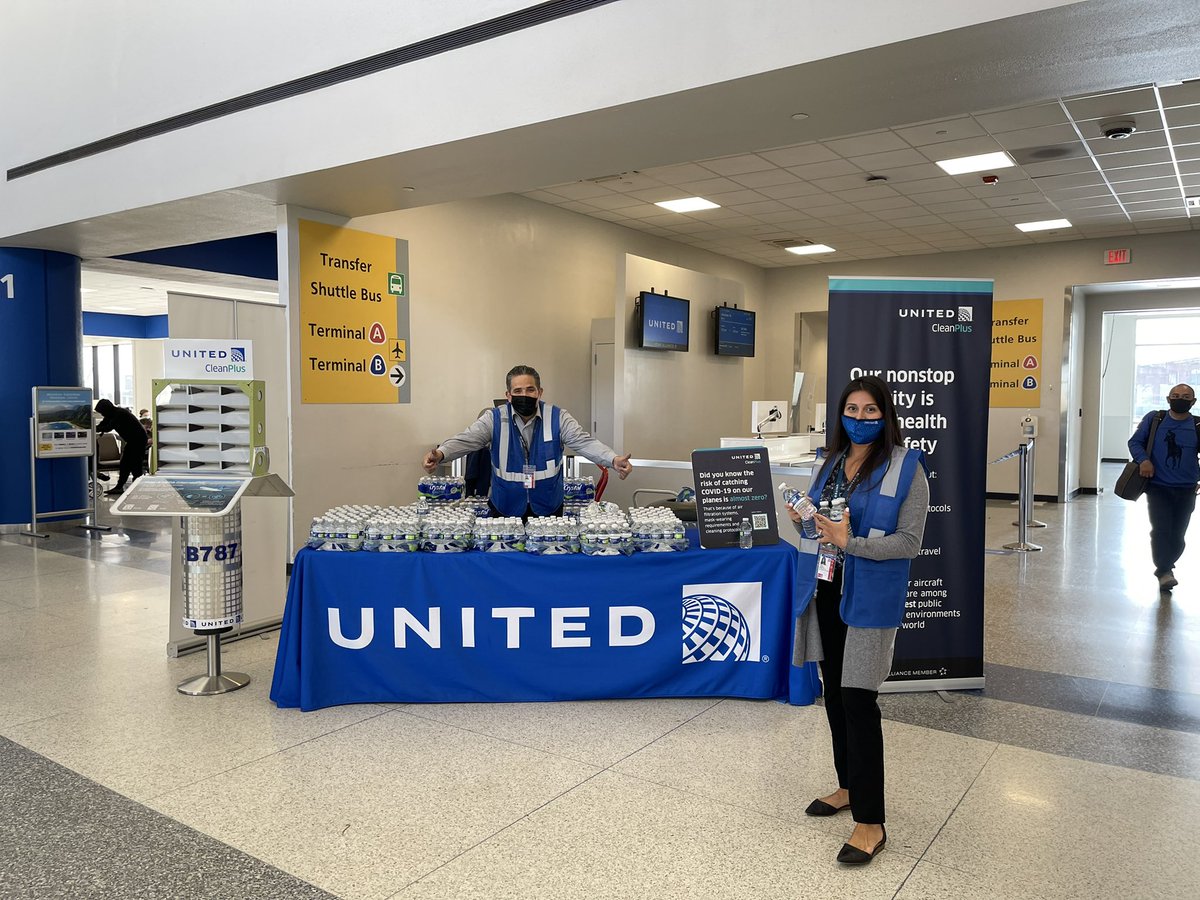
{"points": [[527, 437]]}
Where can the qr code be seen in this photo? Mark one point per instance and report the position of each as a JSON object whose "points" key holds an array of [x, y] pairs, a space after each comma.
{"points": [[758, 521]]}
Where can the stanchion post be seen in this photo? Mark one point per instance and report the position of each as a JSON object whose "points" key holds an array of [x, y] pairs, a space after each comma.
{"points": [[1023, 491], [1030, 521]]}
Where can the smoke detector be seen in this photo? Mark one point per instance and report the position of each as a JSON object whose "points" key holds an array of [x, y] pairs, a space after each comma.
{"points": [[1118, 129]]}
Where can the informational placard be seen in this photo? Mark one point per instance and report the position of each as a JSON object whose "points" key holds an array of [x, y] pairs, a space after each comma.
{"points": [[173, 495], [354, 295], [63, 421], [191, 358], [734, 483], [1016, 353], [928, 338]]}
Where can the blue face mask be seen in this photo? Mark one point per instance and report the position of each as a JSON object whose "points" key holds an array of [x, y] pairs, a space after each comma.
{"points": [[862, 431]]}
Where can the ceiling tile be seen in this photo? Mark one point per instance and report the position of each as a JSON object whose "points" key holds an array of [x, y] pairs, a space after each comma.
{"points": [[791, 189], [1114, 105], [1076, 180], [1189, 166], [1137, 173], [863, 144], [705, 187], [907, 222], [1009, 189], [1060, 167], [870, 192], [615, 201], [893, 159], [1181, 94], [940, 132], [1133, 158], [1030, 212], [1183, 116], [947, 196], [543, 197], [927, 185], [1143, 140], [659, 194], [1036, 137], [809, 200], [680, 174], [829, 169], [904, 174], [737, 165], [965, 147], [1137, 190], [1186, 135], [737, 198], [1021, 117], [799, 155], [842, 183], [957, 206], [854, 218], [762, 206], [644, 211], [1187, 151], [766, 178], [977, 217], [885, 203]]}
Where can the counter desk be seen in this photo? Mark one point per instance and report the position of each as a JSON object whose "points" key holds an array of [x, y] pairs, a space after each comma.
{"points": [[492, 627]]}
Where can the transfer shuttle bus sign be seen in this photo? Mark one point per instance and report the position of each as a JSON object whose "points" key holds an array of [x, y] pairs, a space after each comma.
{"points": [[353, 316], [1016, 354]]}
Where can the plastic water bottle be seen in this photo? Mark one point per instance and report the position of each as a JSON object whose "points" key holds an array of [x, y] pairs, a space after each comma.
{"points": [[797, 500], [746, 535]]}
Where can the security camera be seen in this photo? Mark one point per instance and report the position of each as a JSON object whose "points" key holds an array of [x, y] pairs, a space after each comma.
{"points": [[1118, 129]]}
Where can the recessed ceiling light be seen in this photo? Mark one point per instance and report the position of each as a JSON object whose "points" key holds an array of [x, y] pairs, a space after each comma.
{"points": [[806, 249], [964, 165], [799, 117], [1047, 225], [688, 204]]}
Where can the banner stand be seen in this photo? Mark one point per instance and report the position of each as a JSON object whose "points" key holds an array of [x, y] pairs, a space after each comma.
{"points": [[90, 451]]}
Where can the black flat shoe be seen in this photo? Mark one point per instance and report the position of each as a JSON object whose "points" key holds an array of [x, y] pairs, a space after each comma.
{"points": [[821, 808], [852, 856]]}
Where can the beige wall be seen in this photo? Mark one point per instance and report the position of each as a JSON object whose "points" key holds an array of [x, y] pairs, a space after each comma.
{"points": [[1044, 270], [508, 280]]}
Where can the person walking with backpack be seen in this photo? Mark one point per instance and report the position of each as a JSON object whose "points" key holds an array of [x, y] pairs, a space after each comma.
{"points": [[1165, 446]]}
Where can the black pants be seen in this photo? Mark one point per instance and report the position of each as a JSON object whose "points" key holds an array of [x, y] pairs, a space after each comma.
{"points": [[133, 459], [855, 723], [1170, 511], [525, 516]]}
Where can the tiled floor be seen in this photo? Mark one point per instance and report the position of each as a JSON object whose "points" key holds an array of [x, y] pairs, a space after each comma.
{"points": [[1072, 775]]}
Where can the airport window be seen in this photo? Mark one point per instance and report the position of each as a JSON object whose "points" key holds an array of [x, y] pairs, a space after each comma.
{"points": [[1162, 359], [108, 371]]}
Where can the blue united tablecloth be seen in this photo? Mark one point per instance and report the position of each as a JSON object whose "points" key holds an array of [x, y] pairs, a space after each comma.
{"points": [[436, 628]]}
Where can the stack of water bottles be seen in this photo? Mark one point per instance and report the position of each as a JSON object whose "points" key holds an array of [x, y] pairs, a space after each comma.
{"points": [[551, 536], [441, 490], [604, 531], [392, 530], [502, 534], [656, 529], [448, 530], [578, 492]]}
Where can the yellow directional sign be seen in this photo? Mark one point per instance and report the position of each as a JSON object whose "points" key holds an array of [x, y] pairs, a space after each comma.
{"points": [[350, 320], [1017, 348]]}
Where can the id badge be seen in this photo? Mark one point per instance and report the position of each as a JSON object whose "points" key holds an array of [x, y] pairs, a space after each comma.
{"points": [[528, 472], [826, 563]]}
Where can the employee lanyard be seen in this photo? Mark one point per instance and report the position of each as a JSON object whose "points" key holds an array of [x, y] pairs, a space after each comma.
{"points": [[527, 470]]}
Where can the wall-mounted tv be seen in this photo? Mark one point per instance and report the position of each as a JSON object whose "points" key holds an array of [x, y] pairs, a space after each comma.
{"points": [[662, 322], [734, 332]]}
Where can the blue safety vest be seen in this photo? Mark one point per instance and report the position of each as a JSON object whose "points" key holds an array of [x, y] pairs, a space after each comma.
{"points": [[509, 454], [873, 591]]}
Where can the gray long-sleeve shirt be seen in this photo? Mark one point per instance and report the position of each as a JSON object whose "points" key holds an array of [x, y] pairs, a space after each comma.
{"points": [[479, 434]]}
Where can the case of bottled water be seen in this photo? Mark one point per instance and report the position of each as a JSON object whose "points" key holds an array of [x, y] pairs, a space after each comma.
{"points": [[503, 534], [551, 535]]}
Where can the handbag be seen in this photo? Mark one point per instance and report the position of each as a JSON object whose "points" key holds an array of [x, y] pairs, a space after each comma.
{"points": [[1131, 483]]}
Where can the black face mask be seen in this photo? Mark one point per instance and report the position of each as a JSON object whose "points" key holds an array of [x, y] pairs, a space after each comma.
{"points": [[1181, 406], [525, 406]]}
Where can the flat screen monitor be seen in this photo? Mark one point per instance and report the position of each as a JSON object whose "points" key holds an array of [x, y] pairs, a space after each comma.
{"points": [[735, 332], [663, 323]]}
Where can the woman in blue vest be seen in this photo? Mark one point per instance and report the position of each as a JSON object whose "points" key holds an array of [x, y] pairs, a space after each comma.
{"points": [[856, 573]]}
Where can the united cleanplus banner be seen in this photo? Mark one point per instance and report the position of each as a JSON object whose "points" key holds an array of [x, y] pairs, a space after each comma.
{"points": [[930, 340]]}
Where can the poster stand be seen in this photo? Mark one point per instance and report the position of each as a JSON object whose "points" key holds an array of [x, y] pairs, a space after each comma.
{"points": [[49, 402]]}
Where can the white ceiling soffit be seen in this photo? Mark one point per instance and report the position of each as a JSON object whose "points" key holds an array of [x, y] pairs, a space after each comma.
{"points": [[138, 289], [878, 111], [1126, 287]]}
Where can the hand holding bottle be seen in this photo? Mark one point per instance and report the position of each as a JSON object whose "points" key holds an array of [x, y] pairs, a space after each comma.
{"points": [[834, 532]]}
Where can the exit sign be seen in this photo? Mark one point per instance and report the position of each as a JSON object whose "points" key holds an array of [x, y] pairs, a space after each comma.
{"points": [[1116, 257]]}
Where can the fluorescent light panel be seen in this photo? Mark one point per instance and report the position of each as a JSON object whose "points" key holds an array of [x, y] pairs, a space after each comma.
{"points": [[688, 204], [806, 249], [965, 165], [1047, 225]]}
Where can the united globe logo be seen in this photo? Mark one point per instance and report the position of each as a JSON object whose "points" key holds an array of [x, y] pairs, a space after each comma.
{"points": [[722, 622]]}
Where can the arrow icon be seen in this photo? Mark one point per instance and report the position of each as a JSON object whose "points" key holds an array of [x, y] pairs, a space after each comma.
{"points": [[398, 376]]}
